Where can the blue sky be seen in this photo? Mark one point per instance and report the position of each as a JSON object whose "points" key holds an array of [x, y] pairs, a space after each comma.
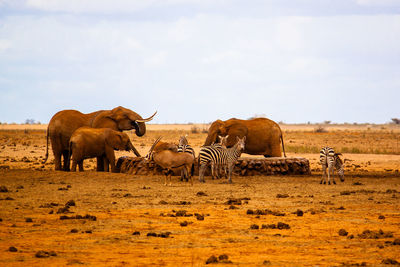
{"points": [[200, 60]]}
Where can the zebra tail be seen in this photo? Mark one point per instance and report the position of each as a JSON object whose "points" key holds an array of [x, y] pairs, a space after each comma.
{"points": [[192, 170]]}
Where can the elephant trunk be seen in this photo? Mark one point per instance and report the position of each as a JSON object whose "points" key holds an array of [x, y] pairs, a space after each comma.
{"points": [[140, 128], [134, 150]]}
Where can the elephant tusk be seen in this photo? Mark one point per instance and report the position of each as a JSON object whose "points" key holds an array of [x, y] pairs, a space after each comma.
{"points": [[148, 119]]}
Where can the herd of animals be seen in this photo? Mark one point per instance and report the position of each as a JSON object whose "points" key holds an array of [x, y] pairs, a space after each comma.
{"points": [[77, 136]]}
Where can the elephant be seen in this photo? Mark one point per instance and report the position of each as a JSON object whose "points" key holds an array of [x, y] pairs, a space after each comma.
{"points": [[87, 142], [65, 122], [263, 136]]}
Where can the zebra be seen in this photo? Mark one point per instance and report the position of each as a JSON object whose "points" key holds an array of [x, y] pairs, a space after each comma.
{"points": [[184, 147], [331, 161], [220, 156]]}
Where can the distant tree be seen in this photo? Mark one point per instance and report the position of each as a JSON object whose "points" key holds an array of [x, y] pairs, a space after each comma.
{"points": [[327, 122], [396, 120], [29, 121]]}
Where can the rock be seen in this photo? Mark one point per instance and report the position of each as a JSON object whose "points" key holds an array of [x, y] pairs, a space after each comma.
{"points": [[282, 195], [282, 225], [254, 226], [3, 189], [343, 232], [299, 212], [136, 233], [74, 231], [12, 249], [28, 219], [212, 259]]}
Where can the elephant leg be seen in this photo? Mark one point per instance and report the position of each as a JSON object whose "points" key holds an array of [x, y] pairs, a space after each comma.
{"points": [[66, 157], [110, 157], [80, 164], [57, 160], [106, 163], [100, 164], [73, 166]]}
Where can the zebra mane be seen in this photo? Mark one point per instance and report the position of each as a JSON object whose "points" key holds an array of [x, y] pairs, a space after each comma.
{"points": [[338, 159]]}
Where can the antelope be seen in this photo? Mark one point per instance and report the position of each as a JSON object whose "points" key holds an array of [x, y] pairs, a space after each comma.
{"points": [[170, 160]]}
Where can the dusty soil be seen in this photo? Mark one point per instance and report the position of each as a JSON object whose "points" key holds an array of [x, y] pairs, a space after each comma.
{"points": [[119, 219]]}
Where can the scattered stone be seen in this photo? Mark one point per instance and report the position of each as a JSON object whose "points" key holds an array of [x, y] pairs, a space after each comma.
{"points": [[250, 212], [389, 261], [20, 187], [369, 234], [231, 207], [136, 233], [184, 223], [88, 231], [29, 220], [346, 193], [396, 242], [299, 212], [223, 257], [163, 202], [266, 262], [3, 189], [358, 183], [282, 196], [199, 217], [381, 217], [350, 237], [70, 203], [343, 232], [201, 194], [212, 259], [74, 230], [63, 210], [45, 254], [268, 226], [282, 225], [152, 234], [12, 249], [254, 226], [79, 217]]}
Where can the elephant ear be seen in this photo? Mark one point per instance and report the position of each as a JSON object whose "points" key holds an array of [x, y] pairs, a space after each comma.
{"points": [[117, 114], [114, 139], [236, 130]]}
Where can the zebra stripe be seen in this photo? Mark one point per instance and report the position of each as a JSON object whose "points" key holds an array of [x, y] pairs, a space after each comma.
{"points": [[220, 156], [330, 161]]}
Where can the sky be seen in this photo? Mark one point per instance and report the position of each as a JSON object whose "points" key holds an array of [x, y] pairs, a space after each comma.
{"points": [[195, 61]]}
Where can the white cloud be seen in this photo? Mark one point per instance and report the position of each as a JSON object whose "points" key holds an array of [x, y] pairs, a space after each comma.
{"points": [[4, 45]]}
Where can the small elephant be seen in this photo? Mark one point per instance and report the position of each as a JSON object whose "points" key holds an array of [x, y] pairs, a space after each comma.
{"points": [[87, 142], [65, 122]]}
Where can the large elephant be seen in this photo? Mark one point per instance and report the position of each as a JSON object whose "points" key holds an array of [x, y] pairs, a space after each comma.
{"points": [[88, 142], [65, 122], [263, 136]]}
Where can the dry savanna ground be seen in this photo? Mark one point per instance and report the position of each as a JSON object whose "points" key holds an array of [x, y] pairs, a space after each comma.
{"points": [[115, 219]]}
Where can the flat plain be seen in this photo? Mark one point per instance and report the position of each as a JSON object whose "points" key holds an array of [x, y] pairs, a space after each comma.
{"points": [[115, 219]]}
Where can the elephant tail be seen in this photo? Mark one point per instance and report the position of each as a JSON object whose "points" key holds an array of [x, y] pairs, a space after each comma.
{"points": [[47, 146], [283, 146]]}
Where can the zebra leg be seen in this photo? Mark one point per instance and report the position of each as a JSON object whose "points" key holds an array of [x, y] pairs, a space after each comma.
{"points": [[329, 174], [202, 169], [323, 175], [230, 169], [333, 178]]}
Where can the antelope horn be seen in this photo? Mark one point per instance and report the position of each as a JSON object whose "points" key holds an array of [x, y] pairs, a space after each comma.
{"points": [[148, 119], [155, 143]]}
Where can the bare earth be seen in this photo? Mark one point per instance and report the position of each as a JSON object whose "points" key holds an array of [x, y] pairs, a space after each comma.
{"points": [[120, 219]]}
